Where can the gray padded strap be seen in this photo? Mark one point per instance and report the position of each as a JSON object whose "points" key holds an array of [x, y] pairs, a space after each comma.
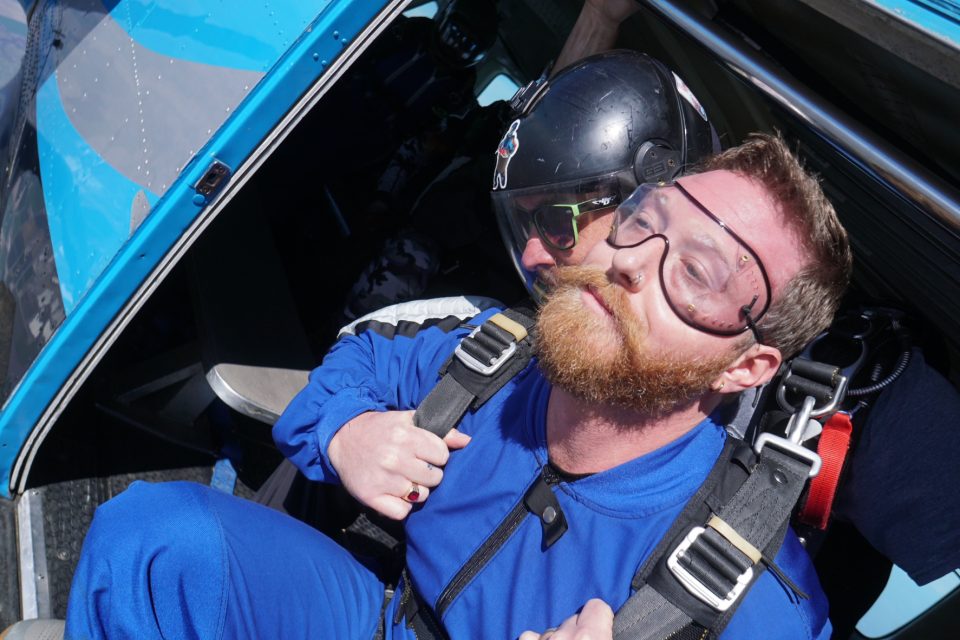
{"points": [[461, 388], [766, 499], [758, 512], [647, 614], [444, 406]]}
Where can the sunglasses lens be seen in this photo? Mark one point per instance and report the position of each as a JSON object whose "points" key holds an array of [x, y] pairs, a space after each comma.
{"points": [[555, 225]]}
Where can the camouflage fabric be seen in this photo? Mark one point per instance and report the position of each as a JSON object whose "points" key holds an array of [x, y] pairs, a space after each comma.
{"points": [[400, 273]]}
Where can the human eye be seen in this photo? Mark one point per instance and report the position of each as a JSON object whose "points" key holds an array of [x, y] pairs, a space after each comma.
{"points": [[629, 228], [694, 271], [640, 220], [697, 274]]}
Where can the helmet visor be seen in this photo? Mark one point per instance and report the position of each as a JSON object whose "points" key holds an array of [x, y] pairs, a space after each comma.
{"points": [[710, 277], [547, 225]]}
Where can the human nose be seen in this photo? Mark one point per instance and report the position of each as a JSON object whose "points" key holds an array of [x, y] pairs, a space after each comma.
{"points": [[536, 256], [633, 267]]}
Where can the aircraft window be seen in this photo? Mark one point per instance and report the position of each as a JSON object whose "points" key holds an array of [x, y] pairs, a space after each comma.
{"points": [[502, 87], [13, 44], [425, 10], [902, 601]]}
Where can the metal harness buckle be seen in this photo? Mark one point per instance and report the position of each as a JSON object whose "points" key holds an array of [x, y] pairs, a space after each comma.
{"points": [[793, 444], [802, 424], [499, 336], [695, 585]]}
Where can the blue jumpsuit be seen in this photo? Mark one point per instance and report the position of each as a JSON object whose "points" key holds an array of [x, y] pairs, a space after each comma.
{"points": [[615, 519]]}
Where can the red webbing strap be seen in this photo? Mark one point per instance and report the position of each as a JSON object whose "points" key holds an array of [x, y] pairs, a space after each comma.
{"points": [[833, 447]]}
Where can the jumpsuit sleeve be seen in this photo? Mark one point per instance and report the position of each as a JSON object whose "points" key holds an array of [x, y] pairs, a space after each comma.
{"points": [[372, 371]]}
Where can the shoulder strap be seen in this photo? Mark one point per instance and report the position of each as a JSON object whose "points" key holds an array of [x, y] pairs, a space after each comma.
{"points": [[724, 538], [482, 364]]}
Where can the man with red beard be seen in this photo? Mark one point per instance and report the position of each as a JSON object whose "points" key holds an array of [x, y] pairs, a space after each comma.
{"points": [[557, 489], [700, 289]]}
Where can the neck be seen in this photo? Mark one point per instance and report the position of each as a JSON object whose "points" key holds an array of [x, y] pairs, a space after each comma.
{"points": [[589, 438]]}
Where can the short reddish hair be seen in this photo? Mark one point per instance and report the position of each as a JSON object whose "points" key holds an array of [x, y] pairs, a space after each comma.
{"points": [[810, 299]]}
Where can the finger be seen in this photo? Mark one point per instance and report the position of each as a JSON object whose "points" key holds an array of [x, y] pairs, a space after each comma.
{"points": [[391, 507], [430, 448], [533, 635], [597, 615], [415, 493], [406, 419], [421, 472], [566, 630], [456, 440]]}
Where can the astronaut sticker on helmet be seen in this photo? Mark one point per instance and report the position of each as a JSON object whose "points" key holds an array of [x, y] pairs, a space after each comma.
{"points": [[687, 95], [505, 151]]}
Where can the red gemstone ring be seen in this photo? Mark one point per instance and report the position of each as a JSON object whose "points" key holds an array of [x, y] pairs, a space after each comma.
{"points": [[414, 494]]}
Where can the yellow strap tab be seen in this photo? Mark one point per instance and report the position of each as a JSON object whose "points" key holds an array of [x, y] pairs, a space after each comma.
{"points": [[734, 538], [507, 324]]}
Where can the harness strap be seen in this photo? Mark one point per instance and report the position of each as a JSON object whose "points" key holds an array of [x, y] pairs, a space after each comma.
{"points": [[696, 578], [418, 614], [647, 609], [833, 448], [482, 364]]}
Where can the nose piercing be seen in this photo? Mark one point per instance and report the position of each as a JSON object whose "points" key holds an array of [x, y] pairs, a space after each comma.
{"points": [[636, 279]]}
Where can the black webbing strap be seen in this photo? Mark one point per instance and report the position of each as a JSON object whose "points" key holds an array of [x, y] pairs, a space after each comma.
{"points": [[706, 555], [483, 363], [418, 614]]}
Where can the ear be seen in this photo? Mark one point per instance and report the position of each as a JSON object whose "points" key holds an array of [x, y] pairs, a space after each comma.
{"points": [[752, 368]]}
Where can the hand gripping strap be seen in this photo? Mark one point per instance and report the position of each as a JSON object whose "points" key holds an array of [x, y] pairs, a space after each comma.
{"points": [[484, 362], [444, 406], [666, 601]]}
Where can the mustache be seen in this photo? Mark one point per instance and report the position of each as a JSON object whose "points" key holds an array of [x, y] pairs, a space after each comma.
{"points": [[626, 369], [566, 279]]}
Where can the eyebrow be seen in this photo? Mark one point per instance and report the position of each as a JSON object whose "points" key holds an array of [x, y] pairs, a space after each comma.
{"points": [[659, 206], [709, 243], [706, 240]]}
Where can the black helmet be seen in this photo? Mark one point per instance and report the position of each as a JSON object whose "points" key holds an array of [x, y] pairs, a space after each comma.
{"points": [[466, 29], [598, 129]]}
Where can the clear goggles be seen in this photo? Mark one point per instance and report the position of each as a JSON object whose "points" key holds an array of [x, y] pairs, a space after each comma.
{"points": [[557, 214], [710, 277]]}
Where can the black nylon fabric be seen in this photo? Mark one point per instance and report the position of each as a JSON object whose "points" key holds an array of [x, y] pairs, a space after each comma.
{"points": [[406, 328], [444, 406], [461, 388], [418, 614]]}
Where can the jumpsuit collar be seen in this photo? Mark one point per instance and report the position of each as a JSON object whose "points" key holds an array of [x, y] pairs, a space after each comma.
{"points": [[659, 480]]}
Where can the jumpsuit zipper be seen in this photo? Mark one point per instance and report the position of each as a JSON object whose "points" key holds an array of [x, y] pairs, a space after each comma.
{"points": [[490, 546]]}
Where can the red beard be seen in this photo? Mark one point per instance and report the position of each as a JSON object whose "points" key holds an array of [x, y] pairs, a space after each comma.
{"points": [[606, 360]]}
